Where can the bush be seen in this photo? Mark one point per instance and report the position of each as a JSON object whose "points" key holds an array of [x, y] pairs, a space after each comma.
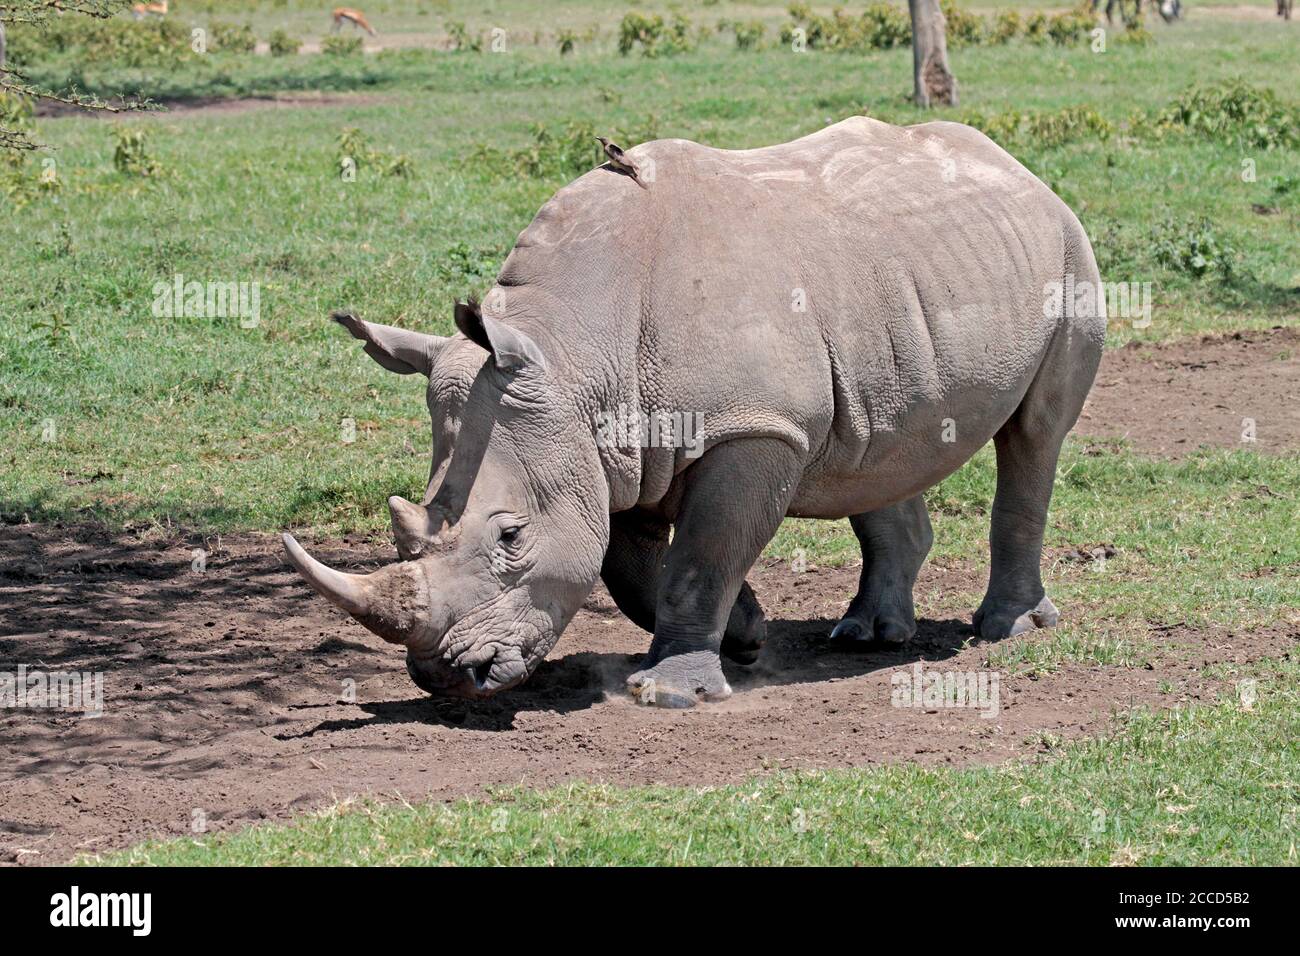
{"points": [[964, 29], [131, 154], [655, 37], [1235, 111], [1043, 129], [1072, 26], [881, 26], [1135, 33], [338, 45], [568, 40], [749, 34], [1007, 27], [461, 41], [284, 45], [1036, 27], [229, 38], [154, 42], [1193, 248], [352, 145], [886, 26]]}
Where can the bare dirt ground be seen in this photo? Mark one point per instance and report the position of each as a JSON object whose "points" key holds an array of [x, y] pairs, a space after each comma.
{"points": [[225, 688], [1171, 399]]}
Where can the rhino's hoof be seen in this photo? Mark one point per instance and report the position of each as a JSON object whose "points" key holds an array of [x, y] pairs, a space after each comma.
{"points": [[680, 681], [882, 631], [996, 620]]}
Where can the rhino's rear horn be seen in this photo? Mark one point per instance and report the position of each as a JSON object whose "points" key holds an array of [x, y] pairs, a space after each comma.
{"points": [[411, 528]]}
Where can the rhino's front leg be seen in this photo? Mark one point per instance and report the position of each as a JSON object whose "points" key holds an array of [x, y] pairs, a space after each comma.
{"points": [[895, 541], [734, 500], [638, 549]]}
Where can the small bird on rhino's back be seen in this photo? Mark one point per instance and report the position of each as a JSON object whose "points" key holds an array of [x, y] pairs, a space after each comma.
{"points": [[619, 162]]}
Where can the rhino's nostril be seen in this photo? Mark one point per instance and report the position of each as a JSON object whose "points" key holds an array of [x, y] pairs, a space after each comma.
{"points": [[482, 672]]}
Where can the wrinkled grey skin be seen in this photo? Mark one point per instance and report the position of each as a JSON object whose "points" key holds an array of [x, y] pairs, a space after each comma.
{"points": [[852, 315]]}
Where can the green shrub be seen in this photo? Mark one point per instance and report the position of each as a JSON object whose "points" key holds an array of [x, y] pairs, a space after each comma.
{"points": [[1036, 27], [284, 45], [1193, 248], [1072, 26], [1235, 111], [881, 26], [568, 40], [1135, 34], [1006, 27], [230, 38], [749, 34], [886, 26], [338, 45], [353, 145], [131, 153], [963, 28], [655, 37], [153, 42], [1043, 128], [461, 41]]}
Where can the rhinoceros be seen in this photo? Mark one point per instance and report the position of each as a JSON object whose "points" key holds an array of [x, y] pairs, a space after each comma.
{"points": [[847, 318]]}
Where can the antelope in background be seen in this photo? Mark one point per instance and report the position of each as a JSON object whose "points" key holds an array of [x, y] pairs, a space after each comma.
{"points": [[355, 17], [142, 10], [1169, 10]]}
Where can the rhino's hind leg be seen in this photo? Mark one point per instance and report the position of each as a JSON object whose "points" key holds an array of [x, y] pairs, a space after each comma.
{"points": [[1015, 601], [895, 541], [638, 546], [1027, 447], [733, 503]]}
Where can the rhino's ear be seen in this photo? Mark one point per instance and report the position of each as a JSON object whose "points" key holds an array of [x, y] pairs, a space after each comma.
{"points": [[510, 348], [397, 350]]}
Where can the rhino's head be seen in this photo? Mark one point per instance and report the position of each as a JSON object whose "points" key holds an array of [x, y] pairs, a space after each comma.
{"points": [[509, 538]]}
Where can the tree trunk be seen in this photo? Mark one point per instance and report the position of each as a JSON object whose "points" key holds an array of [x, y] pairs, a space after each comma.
{"points": [[933, 80], [2, 44]]}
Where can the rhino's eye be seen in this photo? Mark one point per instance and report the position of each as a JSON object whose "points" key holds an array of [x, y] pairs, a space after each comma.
{"points": [[510, 534]]}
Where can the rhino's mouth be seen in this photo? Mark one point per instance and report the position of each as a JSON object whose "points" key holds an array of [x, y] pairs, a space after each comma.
{"points": [[477, 681], [479, 656]]}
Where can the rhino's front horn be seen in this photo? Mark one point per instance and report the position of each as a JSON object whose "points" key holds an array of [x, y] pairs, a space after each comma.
{"points": [[392, 602], [352, 592]]}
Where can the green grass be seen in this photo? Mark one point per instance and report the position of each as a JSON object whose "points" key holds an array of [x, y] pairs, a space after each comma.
{"points": [[1204, 785]]}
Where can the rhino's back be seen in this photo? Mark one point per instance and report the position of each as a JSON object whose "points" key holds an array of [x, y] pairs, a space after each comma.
{"points": [[848, 291], [895, 265], [857, 175]]}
